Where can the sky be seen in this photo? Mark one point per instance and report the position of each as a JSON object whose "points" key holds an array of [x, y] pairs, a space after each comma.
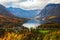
{"points": [[28, 5]]}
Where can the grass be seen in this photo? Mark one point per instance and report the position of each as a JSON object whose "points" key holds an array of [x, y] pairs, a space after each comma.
{"points": [[44, 31]]}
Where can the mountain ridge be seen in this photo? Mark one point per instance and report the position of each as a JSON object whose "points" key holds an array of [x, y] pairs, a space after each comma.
{"points": [[49, 11], [23, 13], [5, 12], [7, 19]]}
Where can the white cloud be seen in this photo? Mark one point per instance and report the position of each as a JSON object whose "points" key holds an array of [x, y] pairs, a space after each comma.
{"points": [[36, 4], [28, 4], [2, 1], [6, 2], [54, 1]]}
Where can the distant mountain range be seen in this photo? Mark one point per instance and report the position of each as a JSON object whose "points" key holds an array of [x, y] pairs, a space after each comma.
{"points": [[23, 13]]}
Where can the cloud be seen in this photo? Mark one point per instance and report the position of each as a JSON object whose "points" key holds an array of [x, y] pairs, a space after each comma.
{"points": [[54, 1], [31, 5], [36, 4], [8, 2], [28, 4], [2, 1]]}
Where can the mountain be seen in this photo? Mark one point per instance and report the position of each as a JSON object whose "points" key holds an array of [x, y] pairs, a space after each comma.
{"points": [[7, 19], [51, 13], [49, 17], [5, 12], [23, 13]]}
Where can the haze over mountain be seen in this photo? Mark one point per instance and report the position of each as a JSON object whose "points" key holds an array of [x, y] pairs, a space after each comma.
{"points": [[23, 13]]}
